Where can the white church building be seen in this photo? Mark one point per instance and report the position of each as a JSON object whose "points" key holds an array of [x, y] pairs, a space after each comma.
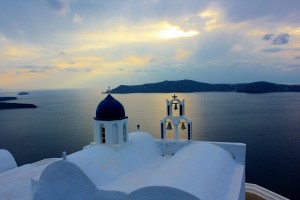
{"points": [[119, 165]]}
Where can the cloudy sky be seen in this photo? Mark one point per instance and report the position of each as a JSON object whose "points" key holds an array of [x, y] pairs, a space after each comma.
{"points": [[99, 43]]}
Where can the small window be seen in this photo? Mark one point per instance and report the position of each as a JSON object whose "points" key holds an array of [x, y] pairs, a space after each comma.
{"points": [[124, 133], [103, 134]]}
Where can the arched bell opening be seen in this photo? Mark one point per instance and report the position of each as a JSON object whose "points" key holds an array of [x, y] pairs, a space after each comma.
{"points": [[169, 130], [182, 129], [175, 107]]}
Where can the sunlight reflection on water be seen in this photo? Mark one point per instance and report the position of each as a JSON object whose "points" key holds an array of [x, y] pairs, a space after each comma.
{"points": [[268, 123]]}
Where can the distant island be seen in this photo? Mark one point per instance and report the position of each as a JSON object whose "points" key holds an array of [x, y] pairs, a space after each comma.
{"points": [[23, 93], [5, 105], [16, 105], [7, 98], [186, 86]]}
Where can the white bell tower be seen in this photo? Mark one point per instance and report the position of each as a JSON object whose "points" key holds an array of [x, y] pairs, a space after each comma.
{"points": [[172, 120]]}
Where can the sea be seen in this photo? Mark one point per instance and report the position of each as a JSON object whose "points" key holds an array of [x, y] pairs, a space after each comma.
{"points": [[269, 124]]}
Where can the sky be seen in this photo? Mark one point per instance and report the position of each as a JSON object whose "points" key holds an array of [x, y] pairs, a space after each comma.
{"points": [[55, 44]]}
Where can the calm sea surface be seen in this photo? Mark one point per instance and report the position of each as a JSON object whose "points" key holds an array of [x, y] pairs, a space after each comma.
{"points": [[268, 123]]}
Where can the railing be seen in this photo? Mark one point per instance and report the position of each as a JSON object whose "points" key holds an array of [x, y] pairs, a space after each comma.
{"points": [[45, 161], [263, 192]]}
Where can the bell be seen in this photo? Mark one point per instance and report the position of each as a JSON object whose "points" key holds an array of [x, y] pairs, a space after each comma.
{"points": [[175, 107], [169, 127], [183, 127]]}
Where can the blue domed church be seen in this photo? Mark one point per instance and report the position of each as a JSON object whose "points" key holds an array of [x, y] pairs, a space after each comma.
{"points": [[110, 122], [129, 166]]}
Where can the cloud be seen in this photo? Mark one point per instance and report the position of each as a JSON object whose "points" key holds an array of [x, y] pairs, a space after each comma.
{"points": [[71, 69], [268, 36], [281, 39], [140, 71], [212, 18], [293, 67], [31, 69], [237, 48], [277, 11], [61, 7], [297, 57], [37, 69], [124, 33], [117, 38], [74, 69], [152, 60], [14, 51], [182, 54], [77, 19], [273, 50]]}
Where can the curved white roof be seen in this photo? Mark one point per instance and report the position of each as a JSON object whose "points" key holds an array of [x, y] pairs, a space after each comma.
{"points": [[7, 161], [104, 164], [63, 180], [159, 193], [199, 170], [202, 169]]}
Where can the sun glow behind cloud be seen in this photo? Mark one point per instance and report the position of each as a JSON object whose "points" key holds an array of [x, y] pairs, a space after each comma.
{"points": [[142, 42], [212, 17], [172, 32], [107, 38]]}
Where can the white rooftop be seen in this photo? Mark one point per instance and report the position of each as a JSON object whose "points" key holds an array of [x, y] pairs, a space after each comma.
{"points": [[7, 161], [138, 169]]}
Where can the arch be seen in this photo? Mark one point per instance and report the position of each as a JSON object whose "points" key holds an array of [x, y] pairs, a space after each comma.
{"points": [[114, 135], [102, 134], [169, 133], [183, 129], [124, 132], [175, 103], [162, 129]]}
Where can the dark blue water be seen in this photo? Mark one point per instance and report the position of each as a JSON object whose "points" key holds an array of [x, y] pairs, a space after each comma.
{"points": [[268, 123]]}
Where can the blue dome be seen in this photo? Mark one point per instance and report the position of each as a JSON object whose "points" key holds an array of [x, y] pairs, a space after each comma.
{"points": [[110, 109]]}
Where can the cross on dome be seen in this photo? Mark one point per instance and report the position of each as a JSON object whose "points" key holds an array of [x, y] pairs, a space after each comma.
{"points": [[174, 97]]}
